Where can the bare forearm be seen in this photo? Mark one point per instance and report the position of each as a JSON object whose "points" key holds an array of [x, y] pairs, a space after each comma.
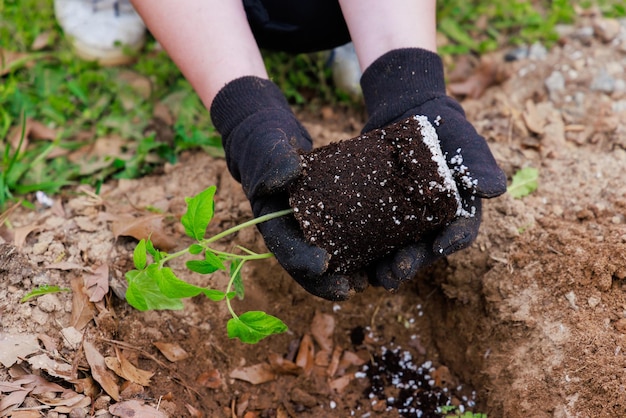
{"points": [[209, 40], [377, 27]]}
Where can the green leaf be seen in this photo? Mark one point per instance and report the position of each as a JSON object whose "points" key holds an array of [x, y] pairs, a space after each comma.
{"points": [[525, 181], [251, 327], [199, 213], [174, 287], [215, 260], [195, 249], [143, 292], [235, 273], [201, 266], [156, 254], [210, 264], [140, 258], [43, 290]]}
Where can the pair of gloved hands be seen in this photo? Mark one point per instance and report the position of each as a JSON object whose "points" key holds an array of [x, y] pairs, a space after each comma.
{"points": [[262, 136]]}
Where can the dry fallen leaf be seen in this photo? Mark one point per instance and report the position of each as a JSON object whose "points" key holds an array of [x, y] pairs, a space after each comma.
{"points": [[464, 66], [306, 354], [83, 311], [99, 370], [126, 370], [22, 387], [282, 365], [134, 409], [11, 401], [84, 223], [86, 386], [16, 346], [140, 83], [193, 412], [211, 379], [334, 361], [534, 121], [163, 112], [322, 329], [322, 358], [24, 414], [489, 72], [143, 227], [350, 358], [242, 405], [49, 343], [52, 367], [33, 130], [97, 284], [259, 373], [11, 60], [65, 265], [172, 351], [67, 401], [42, 40], [100, 154], [21, 233], [339, 385]]}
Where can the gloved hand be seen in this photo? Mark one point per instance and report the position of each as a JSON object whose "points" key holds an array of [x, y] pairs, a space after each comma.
{"points": [[261, 138], [406, 82]]}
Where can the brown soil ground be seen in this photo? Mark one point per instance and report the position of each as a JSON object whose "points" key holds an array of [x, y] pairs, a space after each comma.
{"points": [[532, 316]]}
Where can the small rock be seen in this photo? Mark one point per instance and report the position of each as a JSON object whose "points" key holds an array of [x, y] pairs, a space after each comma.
{"points": [[49, 303], [78, 413], [571, 298], [564, 31], [516, 54], [620, 325], [39, 316], [584, 35], [603, 82], [555, 82], [560, 412], [604, 282], [593, 301], [72, 337], [557, 210], [620, 85], [537, 52], [102, 402], [606, 29], [40, 247]]}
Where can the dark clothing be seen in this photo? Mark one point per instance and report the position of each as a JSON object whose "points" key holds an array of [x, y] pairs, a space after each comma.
{"points": [[297, 26]]}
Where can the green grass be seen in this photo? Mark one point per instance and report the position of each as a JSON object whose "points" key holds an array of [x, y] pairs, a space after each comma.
{"points": [[84, 102]]}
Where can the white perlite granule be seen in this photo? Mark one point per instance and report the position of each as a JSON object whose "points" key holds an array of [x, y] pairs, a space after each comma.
{"points": [[431, 140]]}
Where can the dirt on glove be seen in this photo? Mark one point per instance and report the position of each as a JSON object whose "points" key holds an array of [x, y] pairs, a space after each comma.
{"points": [[362, 198]]}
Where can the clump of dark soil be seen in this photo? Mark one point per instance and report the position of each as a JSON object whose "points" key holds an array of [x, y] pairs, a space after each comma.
{"points": [[359, 199]]}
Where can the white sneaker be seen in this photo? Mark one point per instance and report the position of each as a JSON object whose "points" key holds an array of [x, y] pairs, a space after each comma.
{"points": [[101, 30], [346, 70]]}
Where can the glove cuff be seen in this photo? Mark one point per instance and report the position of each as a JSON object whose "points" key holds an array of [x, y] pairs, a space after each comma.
{"points": [[399, 80], [242, 98]]}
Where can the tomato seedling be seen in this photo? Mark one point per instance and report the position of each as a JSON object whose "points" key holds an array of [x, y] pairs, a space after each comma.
{"points": [[152, 285]]}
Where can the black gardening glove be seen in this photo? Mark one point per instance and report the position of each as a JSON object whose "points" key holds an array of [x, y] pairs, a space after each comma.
{"points": [[261, 138], [407, 82]]}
